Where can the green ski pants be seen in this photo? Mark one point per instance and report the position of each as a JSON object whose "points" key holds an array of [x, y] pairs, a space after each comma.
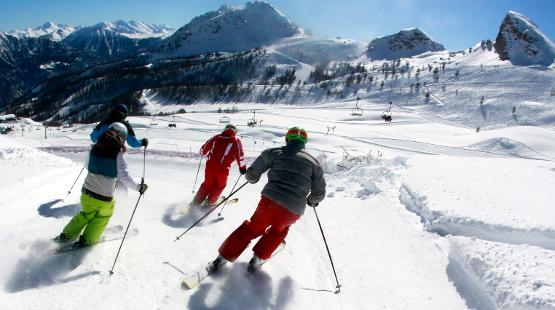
{"points": [[93, 217]]}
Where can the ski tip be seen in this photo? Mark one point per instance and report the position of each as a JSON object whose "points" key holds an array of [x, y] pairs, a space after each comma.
{"points": [[338, 289]]}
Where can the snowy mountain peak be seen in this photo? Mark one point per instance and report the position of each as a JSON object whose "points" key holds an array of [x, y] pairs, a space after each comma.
{"points": [[55, 32], [131, 29], [406, 43], [522, 42], [230, 29]]}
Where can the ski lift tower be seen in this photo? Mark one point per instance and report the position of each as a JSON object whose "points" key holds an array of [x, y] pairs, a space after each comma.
{"points": [[357, 111]]}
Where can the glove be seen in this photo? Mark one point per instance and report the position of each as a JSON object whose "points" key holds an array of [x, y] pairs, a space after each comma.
{"points": [[144, 142], [243, 170], [142, 188], [310, 203]]}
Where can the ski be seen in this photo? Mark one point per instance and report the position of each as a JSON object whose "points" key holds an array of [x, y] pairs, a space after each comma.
{"points": [[193, 279], [110, 234], [185, 210]]}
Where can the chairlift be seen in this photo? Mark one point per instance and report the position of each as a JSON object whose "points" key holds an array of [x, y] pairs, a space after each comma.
{"points": [[252, 122], [225, 120], [172, 125], [357, 111], [153, 122]]}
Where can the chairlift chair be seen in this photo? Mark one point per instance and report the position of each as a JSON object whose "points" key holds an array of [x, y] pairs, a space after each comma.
{"points": [[225, 120], [252, 122], [357, 112]]}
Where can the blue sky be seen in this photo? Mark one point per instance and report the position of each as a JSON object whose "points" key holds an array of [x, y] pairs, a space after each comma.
{"points": [[455, 23]]}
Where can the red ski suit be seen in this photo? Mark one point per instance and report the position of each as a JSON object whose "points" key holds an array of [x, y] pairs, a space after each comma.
{"points": [[221, 150]]}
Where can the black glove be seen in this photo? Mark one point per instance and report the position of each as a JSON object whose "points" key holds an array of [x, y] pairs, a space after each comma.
{"points": [[310, 203], [242, 170], [144, 142], [142, 188]]}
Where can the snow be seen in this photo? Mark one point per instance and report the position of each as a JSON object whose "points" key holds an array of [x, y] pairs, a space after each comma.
{"points": [[229, 29], [56, 32], [419, 214], [523, 43], [406, 43]]}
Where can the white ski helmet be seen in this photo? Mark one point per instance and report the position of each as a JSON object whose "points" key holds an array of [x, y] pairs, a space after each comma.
{"points": [[119, 127]]}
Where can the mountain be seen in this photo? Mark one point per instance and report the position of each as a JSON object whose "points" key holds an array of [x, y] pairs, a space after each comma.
{"points": [[53, 31], [404, 44], [229, 29], [27, 61], [522, 43], [119, 39], [314, 51]]}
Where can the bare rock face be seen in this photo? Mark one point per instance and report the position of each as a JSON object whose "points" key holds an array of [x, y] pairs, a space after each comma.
{"points": [[522, 43]]}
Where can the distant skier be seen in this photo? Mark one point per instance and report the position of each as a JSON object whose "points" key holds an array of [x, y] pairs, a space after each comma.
{"points": [[295, 179], [118, 114], [222, 150], [106, 165]]}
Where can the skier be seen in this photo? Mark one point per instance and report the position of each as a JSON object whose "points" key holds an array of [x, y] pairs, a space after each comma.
{"points": [[222, 150], [106, 165], [118, 114], [295, 179]]}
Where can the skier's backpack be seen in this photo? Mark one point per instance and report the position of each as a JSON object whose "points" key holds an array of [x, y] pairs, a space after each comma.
{"points": [[111, 140]]}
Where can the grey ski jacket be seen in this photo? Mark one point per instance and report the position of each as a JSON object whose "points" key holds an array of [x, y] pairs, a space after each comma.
{"points": [[293, 177]]}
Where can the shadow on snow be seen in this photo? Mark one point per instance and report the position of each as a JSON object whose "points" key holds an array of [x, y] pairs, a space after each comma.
{"points": [[173, 218], [48, 209], [42, 269], [242, 290]]}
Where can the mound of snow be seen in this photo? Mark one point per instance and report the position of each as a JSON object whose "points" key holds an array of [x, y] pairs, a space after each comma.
{"points": [[523, 43], [229, 29], [504, 146], [404, 44], [503, 276], [13, 153]]}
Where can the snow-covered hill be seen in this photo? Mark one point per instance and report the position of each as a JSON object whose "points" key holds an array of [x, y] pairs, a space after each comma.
{"points": [[523, 43], [53, 31], [405, 43], [419, 214], [228, 29], [314, 51]]}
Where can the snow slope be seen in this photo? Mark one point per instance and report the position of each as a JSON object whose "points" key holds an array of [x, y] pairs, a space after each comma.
{"points": [[390, 188]]}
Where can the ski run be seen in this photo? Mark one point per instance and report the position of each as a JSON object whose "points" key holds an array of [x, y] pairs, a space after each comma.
{"points": [[419, 214]]}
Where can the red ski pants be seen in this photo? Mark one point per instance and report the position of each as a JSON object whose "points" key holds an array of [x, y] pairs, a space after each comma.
{"points": [[212, 187], [270, 220]]}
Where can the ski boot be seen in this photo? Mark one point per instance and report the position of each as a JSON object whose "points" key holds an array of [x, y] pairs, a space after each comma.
{"points": [[79, 244], [61, 238], [255, 263], [214, 265]]}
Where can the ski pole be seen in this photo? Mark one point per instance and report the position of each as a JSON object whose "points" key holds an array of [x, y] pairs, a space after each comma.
{"points": [[222, 209], [196, 178], [71, 188], [211, 210], [132, 214], [338, 286]]}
